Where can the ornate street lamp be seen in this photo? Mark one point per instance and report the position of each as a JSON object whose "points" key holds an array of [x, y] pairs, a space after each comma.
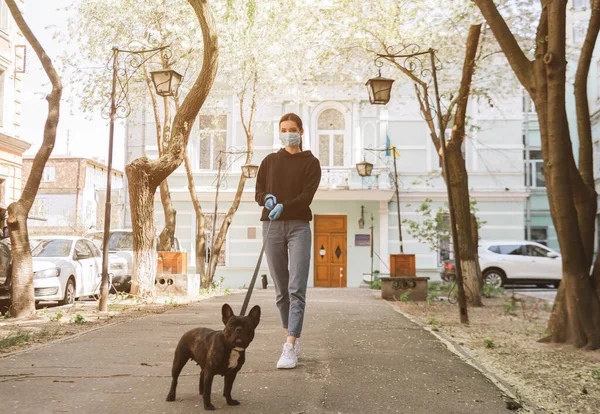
{"points": [[249, 170], [166, 81], [379, 90], [364, 168], [118, 107], [413, 64]]}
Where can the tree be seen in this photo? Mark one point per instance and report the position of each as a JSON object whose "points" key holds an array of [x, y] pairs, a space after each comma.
{"points": [[573, 200], [145, 175], [433, 229], [22, 292], [154, 22]]}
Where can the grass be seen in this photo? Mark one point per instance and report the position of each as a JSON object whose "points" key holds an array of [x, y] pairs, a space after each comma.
{"points": [[404, 297], [79, 318], [376, 283], [435, 323], [596, 374], [14, 340], [491, 290], [489, 343]]}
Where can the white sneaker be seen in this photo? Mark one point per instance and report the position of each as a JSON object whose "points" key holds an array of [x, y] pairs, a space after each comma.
{"points": [[288, 358], [297, 347]]}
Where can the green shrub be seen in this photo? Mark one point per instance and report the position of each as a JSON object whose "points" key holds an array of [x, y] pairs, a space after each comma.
{"points": [[489, 343]]}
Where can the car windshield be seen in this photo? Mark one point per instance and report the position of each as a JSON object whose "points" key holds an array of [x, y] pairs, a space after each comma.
{"points": [[52, 248], [121, 241]]}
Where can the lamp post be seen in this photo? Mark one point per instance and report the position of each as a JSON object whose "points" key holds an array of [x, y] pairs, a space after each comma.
{"points": [[379, 94], [364, 170], [166, 83]]}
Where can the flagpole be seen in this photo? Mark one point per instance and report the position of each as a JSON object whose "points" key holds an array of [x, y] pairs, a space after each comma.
{"points": [[394, 152]]}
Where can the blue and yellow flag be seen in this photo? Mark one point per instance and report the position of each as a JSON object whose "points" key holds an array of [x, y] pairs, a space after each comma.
{"points": [[390, 150]]}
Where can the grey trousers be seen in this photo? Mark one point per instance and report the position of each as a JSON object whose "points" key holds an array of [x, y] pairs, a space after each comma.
{"points": [[288, 255]]}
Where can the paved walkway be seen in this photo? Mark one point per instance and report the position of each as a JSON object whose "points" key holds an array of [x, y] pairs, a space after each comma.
{"points": [[359, 356]]}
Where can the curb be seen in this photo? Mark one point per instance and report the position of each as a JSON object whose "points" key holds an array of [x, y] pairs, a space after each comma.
{"points": [[504, 387], [79, 334]]}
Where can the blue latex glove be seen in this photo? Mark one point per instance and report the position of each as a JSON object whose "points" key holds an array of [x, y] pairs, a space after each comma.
{"points": [[270, 201], [274, 215]]}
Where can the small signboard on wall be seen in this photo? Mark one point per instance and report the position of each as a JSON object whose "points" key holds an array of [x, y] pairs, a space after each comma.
{"points": [[362, 239]]}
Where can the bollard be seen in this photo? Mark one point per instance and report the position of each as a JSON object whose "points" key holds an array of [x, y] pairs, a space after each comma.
{"points": [[264, 281]]}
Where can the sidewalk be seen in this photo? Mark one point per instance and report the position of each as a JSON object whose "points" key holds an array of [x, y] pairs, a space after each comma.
{"points": [[358, 356]]}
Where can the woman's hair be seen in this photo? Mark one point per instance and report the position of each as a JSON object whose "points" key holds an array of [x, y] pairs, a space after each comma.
{"points": [[293, 117]]}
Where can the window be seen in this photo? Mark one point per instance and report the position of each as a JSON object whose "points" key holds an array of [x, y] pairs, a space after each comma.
{"points": [[536, 170], [536, 251], [508, 249], [527, 103], [2, 83], [208, 228], [579, 4], [39, 207], [49, 175], [120, 240], [4, 17], [213, 139], [598, 80], [579, 30], [52, 248], [331, 133], [81, 249], [95, 251], [597, 159], [540, 235], [444, 243]]}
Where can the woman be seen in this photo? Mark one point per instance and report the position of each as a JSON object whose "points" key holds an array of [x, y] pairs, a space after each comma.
{"points": [[285, 186]]}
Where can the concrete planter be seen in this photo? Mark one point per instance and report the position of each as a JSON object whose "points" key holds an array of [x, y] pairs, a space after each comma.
{"points": [[177, 285], [394, 287]]}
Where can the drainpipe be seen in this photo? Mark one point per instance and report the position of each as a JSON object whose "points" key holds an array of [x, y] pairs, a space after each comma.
{"points": [[77, 193], [528, 172]]}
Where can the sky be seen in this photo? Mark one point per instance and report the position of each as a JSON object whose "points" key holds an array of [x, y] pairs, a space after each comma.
{"points": [[88, 137]]}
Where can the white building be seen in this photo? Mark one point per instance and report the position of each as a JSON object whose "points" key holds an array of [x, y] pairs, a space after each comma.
{"points": [[337, 130], [12, 147]]}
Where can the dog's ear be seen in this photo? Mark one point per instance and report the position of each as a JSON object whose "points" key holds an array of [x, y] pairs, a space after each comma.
{"points": [[227, 313], [254, 315]]}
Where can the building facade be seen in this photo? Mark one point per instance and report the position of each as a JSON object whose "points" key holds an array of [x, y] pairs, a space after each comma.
{"points": [[70, 199], [339, 126], [12, 147]]}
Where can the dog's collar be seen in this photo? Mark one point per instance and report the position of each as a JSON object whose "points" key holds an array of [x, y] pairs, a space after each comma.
{"points": [[237, 348]]}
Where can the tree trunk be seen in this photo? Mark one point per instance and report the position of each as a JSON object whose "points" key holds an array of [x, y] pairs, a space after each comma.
{"points": [[475, 237], [22, 292], [459, 182], [200, 240], [166, 239], [142, 211], [576, 315], [145, 175], [167, 235], [459, 179], [220, 239]]}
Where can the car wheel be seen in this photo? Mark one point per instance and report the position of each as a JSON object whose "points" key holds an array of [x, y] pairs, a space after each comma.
{"points": [[494, 277], [69, 298]]}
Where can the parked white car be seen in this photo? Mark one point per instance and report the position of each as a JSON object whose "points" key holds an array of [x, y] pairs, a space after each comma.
{"points": [[68, 267], [120, 243], [511, 262]]}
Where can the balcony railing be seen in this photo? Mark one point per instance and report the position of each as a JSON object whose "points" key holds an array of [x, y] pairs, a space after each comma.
{"points": [[347, 178]]}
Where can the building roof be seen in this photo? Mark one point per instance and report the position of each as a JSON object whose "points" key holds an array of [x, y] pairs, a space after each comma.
{"points": [[75, 158], [14, 144]]}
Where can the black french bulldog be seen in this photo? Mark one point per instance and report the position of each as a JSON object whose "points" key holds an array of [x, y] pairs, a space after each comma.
{"points": [[217, 352]]}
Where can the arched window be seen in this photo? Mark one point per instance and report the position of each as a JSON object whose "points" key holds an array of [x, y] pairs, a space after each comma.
{"points": [[331, 131]]}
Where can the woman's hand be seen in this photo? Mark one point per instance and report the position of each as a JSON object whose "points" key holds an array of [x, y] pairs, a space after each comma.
{"points": [[270, 202], [277, 210]]}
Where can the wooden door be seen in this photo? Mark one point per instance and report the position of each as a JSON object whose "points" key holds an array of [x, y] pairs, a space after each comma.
{"points": [[330, 251]]}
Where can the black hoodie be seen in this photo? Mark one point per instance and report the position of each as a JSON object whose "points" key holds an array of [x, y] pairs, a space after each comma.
{"points": [[293, 179]]}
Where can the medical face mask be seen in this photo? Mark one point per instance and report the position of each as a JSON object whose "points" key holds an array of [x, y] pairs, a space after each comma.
{"points": [[290, 139]]}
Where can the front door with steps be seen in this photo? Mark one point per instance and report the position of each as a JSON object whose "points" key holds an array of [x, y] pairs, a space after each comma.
{"points": [[330, 251]]}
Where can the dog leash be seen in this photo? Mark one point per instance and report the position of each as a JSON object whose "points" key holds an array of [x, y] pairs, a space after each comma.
{"points": [[251, 287]]}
